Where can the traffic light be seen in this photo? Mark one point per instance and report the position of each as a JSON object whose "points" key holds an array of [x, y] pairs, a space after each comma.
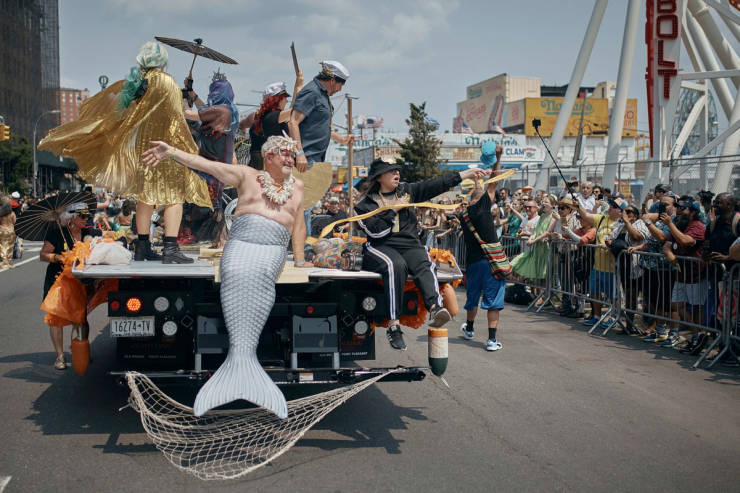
{"points": [[4, 132]]}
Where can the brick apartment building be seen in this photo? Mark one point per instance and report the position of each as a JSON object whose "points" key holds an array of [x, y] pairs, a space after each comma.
{"points": [[69, 103]]}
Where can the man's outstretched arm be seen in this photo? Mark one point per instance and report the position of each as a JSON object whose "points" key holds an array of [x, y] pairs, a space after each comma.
{"points": [[226, 173]]}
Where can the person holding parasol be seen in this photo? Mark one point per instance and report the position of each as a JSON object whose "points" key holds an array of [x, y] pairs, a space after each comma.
{"points": [[215, 125], [68, 225]]}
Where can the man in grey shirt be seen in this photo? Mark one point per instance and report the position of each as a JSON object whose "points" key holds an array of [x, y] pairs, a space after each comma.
{"points": [[310, 120]]}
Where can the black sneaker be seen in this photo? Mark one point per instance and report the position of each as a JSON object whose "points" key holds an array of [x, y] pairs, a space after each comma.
{"points": [[696, 344], [700, 343], [438, 316], [566, 312], [395, 337]]}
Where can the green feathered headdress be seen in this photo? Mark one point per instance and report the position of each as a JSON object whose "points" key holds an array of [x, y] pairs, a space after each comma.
{"points": [[151, 55]]}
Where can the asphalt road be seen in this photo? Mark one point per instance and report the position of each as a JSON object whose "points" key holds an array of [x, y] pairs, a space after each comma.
{"points": [[554, 410]]}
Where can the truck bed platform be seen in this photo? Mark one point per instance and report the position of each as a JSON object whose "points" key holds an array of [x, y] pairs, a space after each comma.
{"points": [[204, 269]]}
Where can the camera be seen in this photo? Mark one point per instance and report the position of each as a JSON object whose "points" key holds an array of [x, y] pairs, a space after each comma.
{"points": [[600, 197], [661, 208], [350, 259]]}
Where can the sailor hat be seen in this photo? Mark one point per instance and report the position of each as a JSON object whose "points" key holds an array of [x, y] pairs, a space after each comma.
{"points": [[335, 69], [276, 88]]}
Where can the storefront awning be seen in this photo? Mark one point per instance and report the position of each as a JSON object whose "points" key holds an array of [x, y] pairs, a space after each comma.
{"points": [[45, 158]]}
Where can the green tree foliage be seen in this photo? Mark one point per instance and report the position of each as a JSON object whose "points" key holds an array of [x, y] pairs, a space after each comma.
{"points": [[16, 160], [420, 150]]}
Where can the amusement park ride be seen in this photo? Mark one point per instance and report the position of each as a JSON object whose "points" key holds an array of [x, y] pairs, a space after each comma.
{"points": [[675, 120]]}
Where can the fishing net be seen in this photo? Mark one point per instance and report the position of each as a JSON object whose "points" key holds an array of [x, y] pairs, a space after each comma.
{"points": [[232, 443], [241, 149]]}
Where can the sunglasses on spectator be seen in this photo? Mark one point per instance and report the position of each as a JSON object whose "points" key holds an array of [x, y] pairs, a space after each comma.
{"points": [[682, 205]]}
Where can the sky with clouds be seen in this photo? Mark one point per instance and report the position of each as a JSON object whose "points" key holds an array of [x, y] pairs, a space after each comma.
{"points": [[397, 52]]}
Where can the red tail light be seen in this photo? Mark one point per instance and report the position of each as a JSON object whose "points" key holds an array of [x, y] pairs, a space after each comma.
{"points": [[411, 304], [115, 305], [309, 309], [133, 305]]}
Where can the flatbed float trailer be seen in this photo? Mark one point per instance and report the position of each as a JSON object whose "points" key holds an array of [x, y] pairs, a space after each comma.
{"points": [[167, 322]]}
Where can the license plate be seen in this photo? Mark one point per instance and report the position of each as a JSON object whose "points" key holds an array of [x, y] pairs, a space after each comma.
{"points": [[132, 327]]}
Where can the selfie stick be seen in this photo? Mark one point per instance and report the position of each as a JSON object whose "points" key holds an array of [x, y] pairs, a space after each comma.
{"points": [[536, 124]]}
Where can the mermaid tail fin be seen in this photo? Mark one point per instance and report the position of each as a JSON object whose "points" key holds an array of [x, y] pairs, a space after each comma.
{"points": [[240, 377]]}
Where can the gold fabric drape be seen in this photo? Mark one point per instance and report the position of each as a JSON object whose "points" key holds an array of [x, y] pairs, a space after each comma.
{"points": [[7, 243], [107, 144]]}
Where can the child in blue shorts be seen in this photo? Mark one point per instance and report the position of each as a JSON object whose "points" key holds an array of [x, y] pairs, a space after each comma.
{"points": [[480, 283]]}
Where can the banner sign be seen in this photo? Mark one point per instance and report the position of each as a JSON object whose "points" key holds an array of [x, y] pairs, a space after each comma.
{"points": [[459, 147], [595, 116], [665, 21]]}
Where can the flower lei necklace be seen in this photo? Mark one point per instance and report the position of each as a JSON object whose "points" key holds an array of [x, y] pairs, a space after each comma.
{"points": [[278, 194]]}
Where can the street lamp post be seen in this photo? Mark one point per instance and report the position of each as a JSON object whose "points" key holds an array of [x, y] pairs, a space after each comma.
{"points": [[35, 163]]}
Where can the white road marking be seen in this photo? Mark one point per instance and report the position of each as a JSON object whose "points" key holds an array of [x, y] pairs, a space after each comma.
{"points": [[16, 265], [4, 480]]}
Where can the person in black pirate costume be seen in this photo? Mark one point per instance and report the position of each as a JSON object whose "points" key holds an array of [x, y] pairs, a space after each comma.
{"points": [[393, 248]]}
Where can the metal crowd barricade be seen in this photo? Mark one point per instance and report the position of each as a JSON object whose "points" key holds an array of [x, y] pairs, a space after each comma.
{"points": [[645, 284], [652, 287], [727, 316], [570, 267], [458, 249]]}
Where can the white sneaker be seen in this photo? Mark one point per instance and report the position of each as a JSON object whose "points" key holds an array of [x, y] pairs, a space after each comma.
{"points": [[60, 363], [493, 345], [467, 334]]}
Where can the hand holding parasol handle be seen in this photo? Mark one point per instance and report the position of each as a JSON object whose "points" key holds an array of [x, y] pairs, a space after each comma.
{"points": [[198, 41], [189, 80]]}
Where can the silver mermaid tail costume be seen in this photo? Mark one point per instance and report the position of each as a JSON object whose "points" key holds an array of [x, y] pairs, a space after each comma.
{"points": [[252, 260]]}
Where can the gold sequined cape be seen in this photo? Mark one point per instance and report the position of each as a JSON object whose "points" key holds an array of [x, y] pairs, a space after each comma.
{"points": [[107, 144]]}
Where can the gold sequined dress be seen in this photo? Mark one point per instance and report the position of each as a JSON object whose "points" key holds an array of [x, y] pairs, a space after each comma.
{"points": [[107, 144]]}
